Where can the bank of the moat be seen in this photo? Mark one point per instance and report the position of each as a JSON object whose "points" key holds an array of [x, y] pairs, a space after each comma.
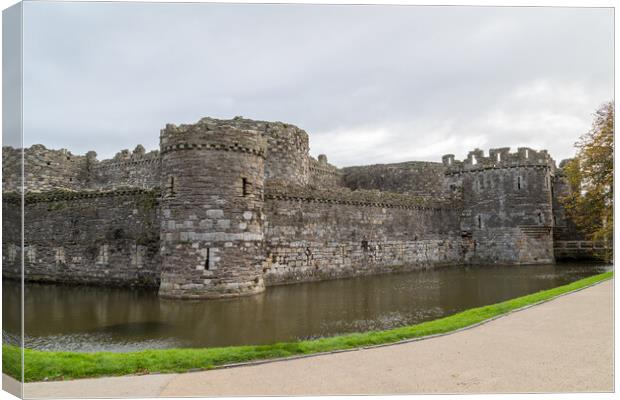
{"points": [[60, 317], [573, 334]]}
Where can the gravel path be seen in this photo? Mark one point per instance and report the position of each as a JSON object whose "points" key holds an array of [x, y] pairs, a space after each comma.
{"points": [[565, 345]]}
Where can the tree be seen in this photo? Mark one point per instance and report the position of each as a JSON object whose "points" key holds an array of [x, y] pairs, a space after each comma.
{"points": [[591, 178]]}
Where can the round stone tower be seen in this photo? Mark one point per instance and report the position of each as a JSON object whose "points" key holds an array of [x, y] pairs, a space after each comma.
{"points": [[212, 218], [507, 204], [287, 153]]}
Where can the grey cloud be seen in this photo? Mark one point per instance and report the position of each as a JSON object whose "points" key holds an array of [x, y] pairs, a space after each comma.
{"points": [[11, 72], [370, 84]]}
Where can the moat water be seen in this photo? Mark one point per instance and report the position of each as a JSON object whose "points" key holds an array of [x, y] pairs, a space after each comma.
{"points": [[77, 318]]}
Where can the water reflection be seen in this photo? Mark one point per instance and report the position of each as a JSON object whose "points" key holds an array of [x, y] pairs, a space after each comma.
{"points": [[92, 319]]}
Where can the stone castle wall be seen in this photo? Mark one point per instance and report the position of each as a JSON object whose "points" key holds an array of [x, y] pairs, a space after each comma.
{"points": [[135, 169], [416, 178], [324, 174], [227, 207], [324, 234], [11, 235], [44, 169], [94, 237]]}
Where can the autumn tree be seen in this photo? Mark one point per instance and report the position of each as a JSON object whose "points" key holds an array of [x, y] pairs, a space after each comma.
{"points": [[591, 178]]}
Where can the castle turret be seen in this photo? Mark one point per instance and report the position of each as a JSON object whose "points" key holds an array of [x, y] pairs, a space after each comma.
{"points": [[507, 204], [212, 210], [287, 153]]}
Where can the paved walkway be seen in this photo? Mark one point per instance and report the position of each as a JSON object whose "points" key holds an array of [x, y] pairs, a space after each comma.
{"points": [[565, 345]]}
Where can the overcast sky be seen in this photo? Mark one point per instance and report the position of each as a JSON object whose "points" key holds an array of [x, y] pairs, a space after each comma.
{"points": [[370, 84]]}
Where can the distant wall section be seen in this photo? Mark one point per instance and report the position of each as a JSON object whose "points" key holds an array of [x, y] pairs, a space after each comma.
{"points": [[324, 174], [417, 178], [135, 169]]}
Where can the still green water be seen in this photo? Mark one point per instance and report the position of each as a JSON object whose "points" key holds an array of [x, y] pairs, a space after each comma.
{"points": [[82, 318]]}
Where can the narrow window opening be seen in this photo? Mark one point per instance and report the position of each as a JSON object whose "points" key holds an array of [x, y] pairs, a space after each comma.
{"points": [[519, 182], [540, 218], [207, 258], [365, 245], [473, 160], [244, 186], [527, 153], [172, 185], [479, 222], [499, 157]]}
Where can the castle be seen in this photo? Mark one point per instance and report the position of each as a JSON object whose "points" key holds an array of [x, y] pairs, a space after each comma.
{"points": [[228, 207]]}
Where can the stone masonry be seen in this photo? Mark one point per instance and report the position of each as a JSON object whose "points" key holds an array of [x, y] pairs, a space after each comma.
{"points": [[225, 208]]}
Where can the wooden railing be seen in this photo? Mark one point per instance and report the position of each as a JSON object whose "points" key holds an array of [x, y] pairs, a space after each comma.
{"points": [[574, 249], [581, 244]]}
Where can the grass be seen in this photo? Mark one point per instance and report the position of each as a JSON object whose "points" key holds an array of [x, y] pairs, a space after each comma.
{"points": [[48, 365]]}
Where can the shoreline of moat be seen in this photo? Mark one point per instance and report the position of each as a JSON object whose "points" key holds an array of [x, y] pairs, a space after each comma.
{"points": [[133, 319], [567, 322], [50, 365]]}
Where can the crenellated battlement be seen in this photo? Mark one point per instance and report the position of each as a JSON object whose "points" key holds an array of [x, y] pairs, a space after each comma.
{"points": [[498, 158], [138, 154], [360, 198], [44, 169], [324, 174], [125, 159], [211, 134]]}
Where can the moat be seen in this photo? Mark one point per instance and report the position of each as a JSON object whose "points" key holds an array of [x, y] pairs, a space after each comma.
{"points": [[82, 318]]}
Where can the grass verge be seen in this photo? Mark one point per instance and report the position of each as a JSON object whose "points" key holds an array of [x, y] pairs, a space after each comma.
{"points": [[48, 365]]}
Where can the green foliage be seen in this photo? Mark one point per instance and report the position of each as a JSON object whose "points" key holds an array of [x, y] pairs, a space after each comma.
{"points": [[147, 201], [49, 195], [56, 206], [591, 178], [40, 365]]}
